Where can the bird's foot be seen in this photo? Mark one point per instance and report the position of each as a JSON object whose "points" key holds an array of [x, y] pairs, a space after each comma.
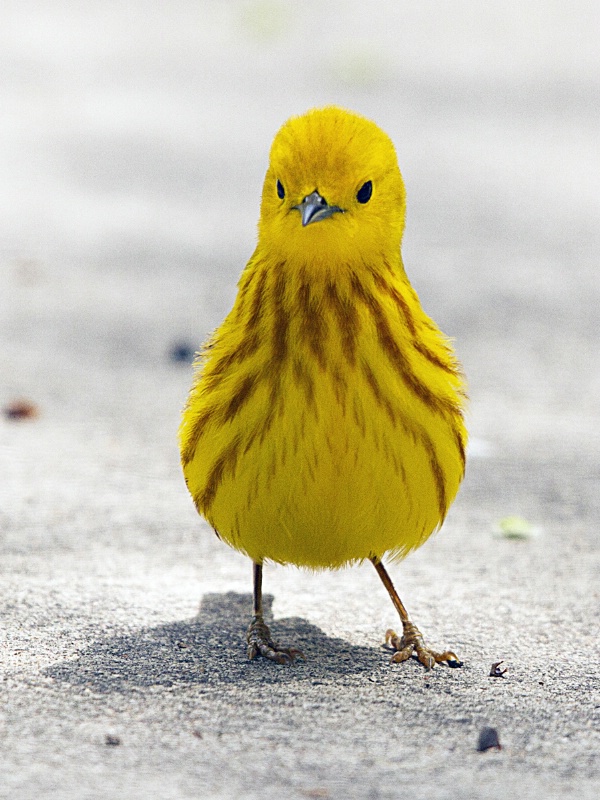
{"points": [[411, 642], [260, 643]]}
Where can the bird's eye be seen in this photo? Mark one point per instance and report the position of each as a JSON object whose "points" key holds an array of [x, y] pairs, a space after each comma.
{"points": [[280, 190], [364, 193]]}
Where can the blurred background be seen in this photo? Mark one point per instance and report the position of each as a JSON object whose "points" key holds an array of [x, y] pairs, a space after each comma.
{"points": [[133, 142]]}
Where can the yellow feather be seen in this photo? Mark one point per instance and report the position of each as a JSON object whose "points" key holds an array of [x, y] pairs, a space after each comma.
{"points": [[325, 422]]}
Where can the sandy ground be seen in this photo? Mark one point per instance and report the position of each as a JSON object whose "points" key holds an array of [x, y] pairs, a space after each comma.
{"points": [[133, 140]]}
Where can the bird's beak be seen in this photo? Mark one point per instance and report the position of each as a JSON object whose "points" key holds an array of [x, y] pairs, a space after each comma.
{"points": [[314, 208]]}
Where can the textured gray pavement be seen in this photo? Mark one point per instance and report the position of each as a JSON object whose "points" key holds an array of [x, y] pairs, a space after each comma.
{"points": [[133, 143]]}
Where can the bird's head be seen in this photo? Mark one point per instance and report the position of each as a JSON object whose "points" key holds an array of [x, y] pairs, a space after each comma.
{"points": [[333, 191]]}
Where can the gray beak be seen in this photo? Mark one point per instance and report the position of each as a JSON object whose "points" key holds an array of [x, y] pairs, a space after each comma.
{"points": [[314, 208]]}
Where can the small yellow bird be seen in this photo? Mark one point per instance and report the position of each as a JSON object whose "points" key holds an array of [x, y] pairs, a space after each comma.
{"points": [[325, 423]]}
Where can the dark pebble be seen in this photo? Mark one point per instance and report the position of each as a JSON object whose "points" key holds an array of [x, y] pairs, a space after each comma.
{"points": [[488, 738], [496, 671], [21, 409], [182, 352]]}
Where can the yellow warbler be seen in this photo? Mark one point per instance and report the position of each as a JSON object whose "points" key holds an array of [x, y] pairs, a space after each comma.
{"points": [[325, 423]]}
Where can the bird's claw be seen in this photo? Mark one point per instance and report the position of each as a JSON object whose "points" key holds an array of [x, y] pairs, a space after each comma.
{"points": [[411, 642], [260, 643]]}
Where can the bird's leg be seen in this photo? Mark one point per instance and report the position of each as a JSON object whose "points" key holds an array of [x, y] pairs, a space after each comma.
{"points": [[259, 638], [411, 640]]}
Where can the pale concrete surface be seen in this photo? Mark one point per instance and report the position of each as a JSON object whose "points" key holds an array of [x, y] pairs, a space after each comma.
{"points": [[134, 138]]}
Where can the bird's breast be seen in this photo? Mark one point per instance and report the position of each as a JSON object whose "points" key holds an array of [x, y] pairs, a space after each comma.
{"points": [[326, 424]]}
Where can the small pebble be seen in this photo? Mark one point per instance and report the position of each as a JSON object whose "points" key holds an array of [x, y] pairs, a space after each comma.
{"points": [[495, 671], [488, 738], [182, 353], [516, 528], [21, 409]]}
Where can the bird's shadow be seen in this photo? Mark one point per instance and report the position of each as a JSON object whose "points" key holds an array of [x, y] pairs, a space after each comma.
{"points": [[211, 649]]}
